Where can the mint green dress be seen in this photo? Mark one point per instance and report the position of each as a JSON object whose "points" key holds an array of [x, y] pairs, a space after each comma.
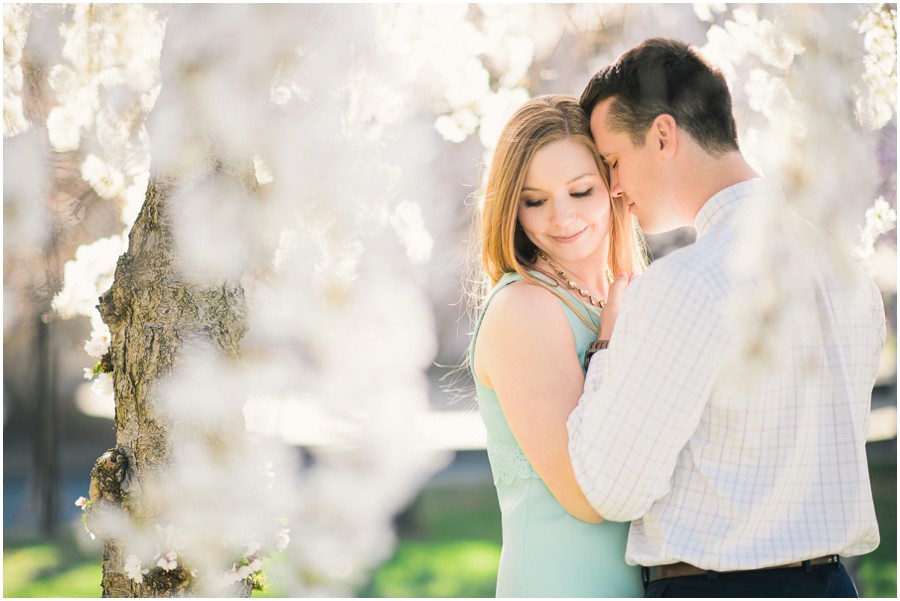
{"points": [[547, 552]]}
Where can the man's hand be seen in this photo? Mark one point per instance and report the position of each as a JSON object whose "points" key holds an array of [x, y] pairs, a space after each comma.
{"points": [[611, 310]]}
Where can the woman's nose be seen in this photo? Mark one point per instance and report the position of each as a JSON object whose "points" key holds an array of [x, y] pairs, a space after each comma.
{"points": [[563, 210]]}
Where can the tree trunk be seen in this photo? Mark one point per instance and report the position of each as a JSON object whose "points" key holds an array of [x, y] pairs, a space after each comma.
{"points": [[153, 310]]}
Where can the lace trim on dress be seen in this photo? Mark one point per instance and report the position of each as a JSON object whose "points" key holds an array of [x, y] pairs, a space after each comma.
{"points": [[508, 461]]}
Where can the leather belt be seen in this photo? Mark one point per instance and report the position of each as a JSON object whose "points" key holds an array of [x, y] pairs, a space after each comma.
{"points": [[677, 570]]}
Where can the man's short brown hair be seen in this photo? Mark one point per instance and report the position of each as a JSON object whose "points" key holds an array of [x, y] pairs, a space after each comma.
{"points": [[661, 76]]}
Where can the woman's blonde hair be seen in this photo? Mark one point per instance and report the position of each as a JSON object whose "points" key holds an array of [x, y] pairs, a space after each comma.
{"points": [[504, 246]]}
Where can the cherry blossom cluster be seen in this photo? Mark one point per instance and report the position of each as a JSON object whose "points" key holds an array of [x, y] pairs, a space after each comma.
{"points": [[167, 557]]}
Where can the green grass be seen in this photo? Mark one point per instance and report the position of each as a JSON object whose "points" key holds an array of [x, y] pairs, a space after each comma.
{"points": [[445, 569], [51, 569], [449, 546]]}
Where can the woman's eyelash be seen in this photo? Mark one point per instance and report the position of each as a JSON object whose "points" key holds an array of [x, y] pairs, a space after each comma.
{"points": [[587, 192], [533, 203]]}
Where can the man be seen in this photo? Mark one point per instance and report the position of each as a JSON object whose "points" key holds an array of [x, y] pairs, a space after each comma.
{"points": [[728, 414]]}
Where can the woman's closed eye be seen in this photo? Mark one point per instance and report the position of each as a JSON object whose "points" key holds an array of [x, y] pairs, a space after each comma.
{"points": [[583, 194], [533, 202]]}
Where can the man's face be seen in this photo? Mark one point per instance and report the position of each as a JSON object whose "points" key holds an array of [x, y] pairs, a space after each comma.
{"points": [[634, 171]]}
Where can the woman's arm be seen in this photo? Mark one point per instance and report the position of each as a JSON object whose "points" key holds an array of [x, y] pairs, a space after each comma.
{"points": [[526, 352]]}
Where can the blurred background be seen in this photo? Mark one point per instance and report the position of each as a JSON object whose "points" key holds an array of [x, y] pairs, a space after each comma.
{"points": [[815, 101]]}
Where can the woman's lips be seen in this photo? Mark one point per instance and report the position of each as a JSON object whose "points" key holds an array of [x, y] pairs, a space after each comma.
{"points": [[569, 239]]}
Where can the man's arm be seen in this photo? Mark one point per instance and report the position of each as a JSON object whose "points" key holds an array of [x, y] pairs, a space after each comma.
{"points": [[645, 394]]}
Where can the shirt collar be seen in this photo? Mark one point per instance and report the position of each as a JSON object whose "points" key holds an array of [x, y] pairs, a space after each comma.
{"points": [[726, 200]]}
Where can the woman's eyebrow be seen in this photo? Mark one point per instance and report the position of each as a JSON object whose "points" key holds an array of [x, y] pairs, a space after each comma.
{"points": [[574, 179]]}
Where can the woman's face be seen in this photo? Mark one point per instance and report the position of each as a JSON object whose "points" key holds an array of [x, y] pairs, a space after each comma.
{"points": [[564, 206]]}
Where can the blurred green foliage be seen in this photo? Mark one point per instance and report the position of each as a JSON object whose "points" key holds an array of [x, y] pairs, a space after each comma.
{"points": [[449, 547]]}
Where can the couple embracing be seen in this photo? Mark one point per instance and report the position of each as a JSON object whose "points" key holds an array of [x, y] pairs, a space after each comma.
{"points": [[626, 460]]}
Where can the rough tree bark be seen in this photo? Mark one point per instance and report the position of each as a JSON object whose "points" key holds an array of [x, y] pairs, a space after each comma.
{"points": [[152, 311]]}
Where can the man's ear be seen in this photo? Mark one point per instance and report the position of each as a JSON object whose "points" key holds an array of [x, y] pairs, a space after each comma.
{"points": [[662, 133]]}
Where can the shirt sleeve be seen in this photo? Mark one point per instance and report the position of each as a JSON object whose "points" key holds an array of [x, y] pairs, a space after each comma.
{"points": [[644, 395], [879, 318]]}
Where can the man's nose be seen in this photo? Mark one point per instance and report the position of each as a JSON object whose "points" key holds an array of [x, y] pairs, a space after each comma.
{"points": [[615, 187]]}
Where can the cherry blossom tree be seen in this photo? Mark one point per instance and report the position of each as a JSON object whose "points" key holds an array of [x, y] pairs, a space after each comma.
{"points": [[253, 185]]}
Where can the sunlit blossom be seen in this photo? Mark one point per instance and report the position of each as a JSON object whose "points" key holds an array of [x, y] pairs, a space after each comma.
{"points": [[168, 561], [98, 345], [103, 385], [88, 275]]}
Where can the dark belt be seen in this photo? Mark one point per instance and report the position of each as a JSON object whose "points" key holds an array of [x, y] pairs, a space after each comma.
{"points": [[678, 570]]}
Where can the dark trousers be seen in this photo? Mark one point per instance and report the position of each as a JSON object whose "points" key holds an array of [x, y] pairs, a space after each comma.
{"points": [[828, 580]]}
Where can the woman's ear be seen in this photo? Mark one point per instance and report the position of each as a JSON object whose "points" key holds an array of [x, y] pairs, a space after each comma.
{"points": [[662, 132]]}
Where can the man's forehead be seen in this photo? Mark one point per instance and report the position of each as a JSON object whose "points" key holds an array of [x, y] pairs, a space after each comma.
{"points": [[604, 139], [599, 132]]}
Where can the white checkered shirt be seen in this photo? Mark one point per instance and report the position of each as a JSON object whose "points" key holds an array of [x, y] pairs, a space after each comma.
{"points": [[721, 456]]}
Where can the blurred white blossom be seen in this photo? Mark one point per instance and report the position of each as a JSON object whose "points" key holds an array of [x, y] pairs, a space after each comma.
{"points": [[458, 125], [25, 176], [408, 223], [282, 539], [107, 182], [706, 11], [103, 385], [496, 109], [15, 30], [134, 569], [877, 99], [252, 547], [238, 573], [880, 219], [330, 248], [794, 107]]}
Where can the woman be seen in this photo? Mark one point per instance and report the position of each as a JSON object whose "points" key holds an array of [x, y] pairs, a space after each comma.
{"points": [[551, 237]]}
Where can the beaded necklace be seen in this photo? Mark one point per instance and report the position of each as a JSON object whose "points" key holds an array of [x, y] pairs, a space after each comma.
{"points": [[572, 284]]}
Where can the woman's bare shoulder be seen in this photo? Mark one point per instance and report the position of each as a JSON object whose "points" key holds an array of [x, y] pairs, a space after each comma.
{"points": [[524, 297], [523, 304], [524, 320]]}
